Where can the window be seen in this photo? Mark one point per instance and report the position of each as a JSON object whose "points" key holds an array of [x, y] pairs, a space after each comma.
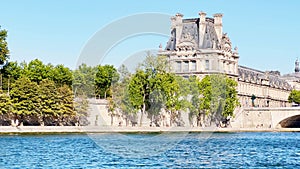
{"points": [[206, 64], [193, 65], [186, 66], [178, 67]]}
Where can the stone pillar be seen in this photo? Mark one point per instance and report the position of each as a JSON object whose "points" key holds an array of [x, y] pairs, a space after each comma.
{"points": [[218, 25], [173, 22], [199, 66], [178, 26], [202, 27]]}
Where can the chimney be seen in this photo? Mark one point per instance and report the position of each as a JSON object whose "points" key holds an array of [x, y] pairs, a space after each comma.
{"points": [[202, 26], [202, 17], [179, 15], [173, 22], [178, 26], [218, 25]]}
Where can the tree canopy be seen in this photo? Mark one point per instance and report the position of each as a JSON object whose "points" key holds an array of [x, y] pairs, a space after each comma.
{"points": [[294, 97], [4, 52], [46, 94], [105, 76], [39, 94]]}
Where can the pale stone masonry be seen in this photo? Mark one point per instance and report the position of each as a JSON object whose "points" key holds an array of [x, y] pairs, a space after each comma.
{"points": [[198, 46]]}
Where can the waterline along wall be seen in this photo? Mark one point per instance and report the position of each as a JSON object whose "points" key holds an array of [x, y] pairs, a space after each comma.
{"points": [[285, 117], [264, 117]]}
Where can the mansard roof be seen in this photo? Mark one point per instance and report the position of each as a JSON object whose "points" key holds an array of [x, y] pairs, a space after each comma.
{"points": [[171, 45], [256, 76], [190, 33], [210, 37]]}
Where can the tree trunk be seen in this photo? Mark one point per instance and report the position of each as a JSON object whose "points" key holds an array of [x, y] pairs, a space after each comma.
{"points": [[142, 114], [41, 120], [143, 110], [111, 119], [60, 121], [171, 118]]}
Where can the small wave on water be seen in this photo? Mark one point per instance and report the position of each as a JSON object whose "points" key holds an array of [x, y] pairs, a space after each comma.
{"points": [[220, 150]]}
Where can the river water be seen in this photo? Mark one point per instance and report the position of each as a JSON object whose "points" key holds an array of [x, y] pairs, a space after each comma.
{"points": [[177, 150]]}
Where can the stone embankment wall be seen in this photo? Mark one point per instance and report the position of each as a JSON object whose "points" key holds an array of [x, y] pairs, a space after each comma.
{"points": [[263, 117], [100, 116], [255, 118]]}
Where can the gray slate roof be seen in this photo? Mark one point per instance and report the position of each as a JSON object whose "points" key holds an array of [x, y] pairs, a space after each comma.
{"points": [[256, 76], [190, 32]]}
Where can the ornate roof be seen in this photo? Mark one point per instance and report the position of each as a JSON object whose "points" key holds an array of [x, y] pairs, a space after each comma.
{"points": [[210, 39], [293, 76], [190, 37], [171, 45], [258, 77]]}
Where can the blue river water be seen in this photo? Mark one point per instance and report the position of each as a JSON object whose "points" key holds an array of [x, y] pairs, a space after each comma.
{"points": [[177, 150]]}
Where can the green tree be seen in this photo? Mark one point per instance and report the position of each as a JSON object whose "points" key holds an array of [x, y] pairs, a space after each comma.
{"points": [[6, 109], [120, 95], [84, 81], [47, 107], [66, 110], [105, 76], [11, 72], [36, 70], [61, 75], [139, 92], [218, 97], [294, 97], [152, 88], [4, 52], [5, 103], [194, 104], [24, 97], [232, 100], [170, 89]]}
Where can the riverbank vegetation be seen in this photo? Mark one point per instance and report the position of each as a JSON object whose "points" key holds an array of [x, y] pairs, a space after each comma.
{"points": [[152, 89], [35, 93], [294, 97]]}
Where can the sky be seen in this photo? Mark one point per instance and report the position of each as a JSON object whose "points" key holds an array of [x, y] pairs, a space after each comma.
{"points": [[58, 32]]}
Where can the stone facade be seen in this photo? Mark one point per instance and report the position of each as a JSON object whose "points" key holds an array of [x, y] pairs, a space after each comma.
{"points": [[198, 46], [269, 88]]}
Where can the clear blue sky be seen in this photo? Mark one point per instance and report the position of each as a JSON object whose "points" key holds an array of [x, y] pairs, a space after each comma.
{"points": [[266, 32]]}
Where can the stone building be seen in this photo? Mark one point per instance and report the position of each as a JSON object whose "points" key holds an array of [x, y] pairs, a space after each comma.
{"points": [[294, 78], [198, 46]]}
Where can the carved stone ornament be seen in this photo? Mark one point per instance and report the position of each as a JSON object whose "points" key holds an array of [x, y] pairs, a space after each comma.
{"points": [[226, 43]]}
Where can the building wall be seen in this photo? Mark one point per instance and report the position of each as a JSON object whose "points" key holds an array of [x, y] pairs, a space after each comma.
{"points": [[266, 96], [199, 47]]}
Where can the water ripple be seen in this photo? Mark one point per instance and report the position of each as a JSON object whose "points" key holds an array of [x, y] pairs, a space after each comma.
{"points": [[220, 150]]}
